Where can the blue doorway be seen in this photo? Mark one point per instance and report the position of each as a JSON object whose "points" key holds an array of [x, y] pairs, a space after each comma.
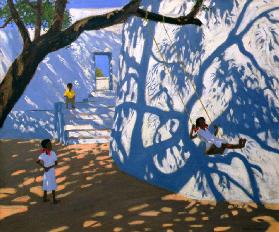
{"points": [[102, 71]]}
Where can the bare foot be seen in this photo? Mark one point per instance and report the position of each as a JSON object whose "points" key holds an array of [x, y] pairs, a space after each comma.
{"points": [[242, 142]]}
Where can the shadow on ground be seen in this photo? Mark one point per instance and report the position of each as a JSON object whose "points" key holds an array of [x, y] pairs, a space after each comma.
{"points": [[96, 196]]}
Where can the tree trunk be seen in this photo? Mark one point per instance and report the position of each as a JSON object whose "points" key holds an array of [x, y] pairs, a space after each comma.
{"points": [[18, 77]]}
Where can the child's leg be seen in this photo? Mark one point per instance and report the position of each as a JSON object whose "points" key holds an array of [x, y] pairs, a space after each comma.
{"points": [[73, 102], [45, 196], [67, 102], [213, 150], [240, 144], [53, 197]]}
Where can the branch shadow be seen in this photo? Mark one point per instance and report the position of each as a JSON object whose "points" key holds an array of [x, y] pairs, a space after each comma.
{"points": [[92, 197]]}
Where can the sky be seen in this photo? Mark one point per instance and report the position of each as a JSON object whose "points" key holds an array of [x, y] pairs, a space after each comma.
{"points": [[102, 62], [96, 3]]}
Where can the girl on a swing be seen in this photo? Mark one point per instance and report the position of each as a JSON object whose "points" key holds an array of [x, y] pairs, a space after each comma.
{"points": [[214, 145]]}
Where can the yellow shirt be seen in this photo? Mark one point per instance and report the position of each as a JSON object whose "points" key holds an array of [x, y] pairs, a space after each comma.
{"points": [[69, 94]]}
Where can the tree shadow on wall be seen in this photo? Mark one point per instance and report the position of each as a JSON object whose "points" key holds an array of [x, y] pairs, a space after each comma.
{"points": [[145, 112]]}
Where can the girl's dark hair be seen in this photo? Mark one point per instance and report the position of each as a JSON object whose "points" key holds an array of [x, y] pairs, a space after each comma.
{"points": [[198, 121], [70, 85], [45, 142]]}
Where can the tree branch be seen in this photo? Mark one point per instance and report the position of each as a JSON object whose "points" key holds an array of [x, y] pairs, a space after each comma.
{"points": [[196, 9], [90, 23], [21, 27], [182, 20], [60, 6], [38, 24], [7, 21], [102, 21], [66, 37]]}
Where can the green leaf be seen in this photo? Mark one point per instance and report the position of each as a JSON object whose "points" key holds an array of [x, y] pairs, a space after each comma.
{"points": [[99, 72], [28, 14]]}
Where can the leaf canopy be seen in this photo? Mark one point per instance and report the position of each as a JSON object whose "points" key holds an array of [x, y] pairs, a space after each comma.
{"points": [[28, 13]]}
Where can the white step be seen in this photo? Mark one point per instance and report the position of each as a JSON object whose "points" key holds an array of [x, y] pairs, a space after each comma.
{"points": [[89, 116], [91, 105], [103, 93], [97, 124], [101, 101], [87, 141], [89, 134], [89, 111], [85, 116], [85, 127], [98, 121], [91, 121], [104, 97]]}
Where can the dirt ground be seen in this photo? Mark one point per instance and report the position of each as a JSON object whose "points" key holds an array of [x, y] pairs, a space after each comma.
{"points": [[96, 196]]}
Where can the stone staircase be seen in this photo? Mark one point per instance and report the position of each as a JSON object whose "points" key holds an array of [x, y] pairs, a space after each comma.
{"points": [[90, 122]]}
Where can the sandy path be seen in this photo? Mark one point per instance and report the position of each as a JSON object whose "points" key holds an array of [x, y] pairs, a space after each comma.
{"points": [[95, 196]]}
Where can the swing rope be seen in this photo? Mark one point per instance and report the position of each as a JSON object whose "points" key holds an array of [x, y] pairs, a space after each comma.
{"points": [[184, 69], [166, 68], [185, 73], [169, 72]]}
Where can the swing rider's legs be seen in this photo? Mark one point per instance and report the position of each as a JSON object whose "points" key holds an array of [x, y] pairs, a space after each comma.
{"points": [[213, 150]]}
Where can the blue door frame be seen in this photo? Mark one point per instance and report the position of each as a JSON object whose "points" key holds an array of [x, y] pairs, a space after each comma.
{"points": [[109, 54]]}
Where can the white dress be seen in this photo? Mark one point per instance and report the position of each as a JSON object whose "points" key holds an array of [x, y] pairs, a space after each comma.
{"points": [[209, 138], [49, 180]]}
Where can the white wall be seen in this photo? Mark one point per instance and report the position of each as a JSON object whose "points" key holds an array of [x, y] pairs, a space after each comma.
{"points": [[232, 60]]}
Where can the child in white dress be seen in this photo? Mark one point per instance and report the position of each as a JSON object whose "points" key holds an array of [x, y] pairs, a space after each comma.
{"points": [[214, 145], [48, 160]]}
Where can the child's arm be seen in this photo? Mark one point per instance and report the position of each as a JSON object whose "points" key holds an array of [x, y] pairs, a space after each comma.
{"points": [[65, 93], [192, 136], [41, 163], [52, 166]]}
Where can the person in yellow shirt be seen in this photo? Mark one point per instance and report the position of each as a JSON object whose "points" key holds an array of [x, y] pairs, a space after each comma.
{"points": [[70, 94]]}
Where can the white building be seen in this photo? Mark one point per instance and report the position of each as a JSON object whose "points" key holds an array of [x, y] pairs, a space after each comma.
{"points": [[229, 65]]}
